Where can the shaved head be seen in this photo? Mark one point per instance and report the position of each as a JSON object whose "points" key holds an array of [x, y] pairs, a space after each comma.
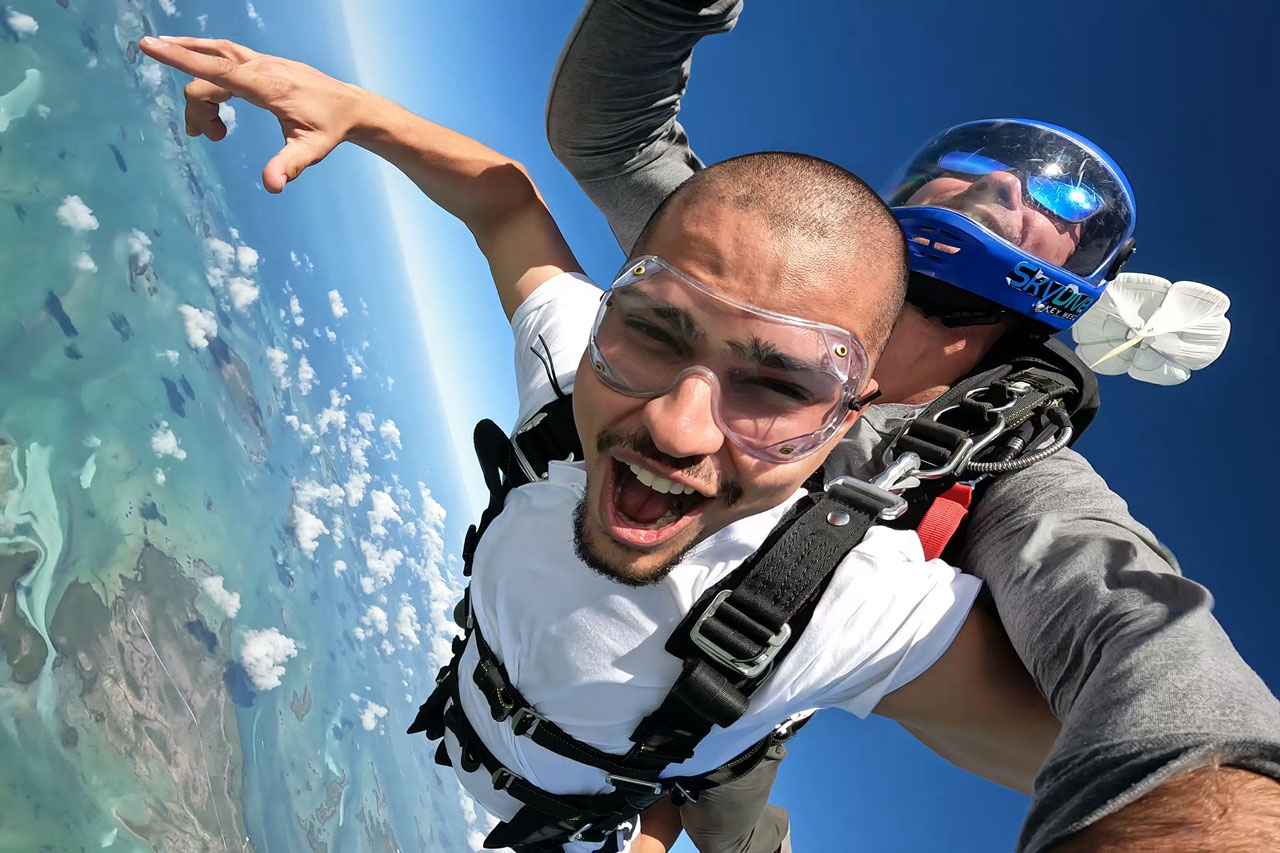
{"points": [[809, 206]]}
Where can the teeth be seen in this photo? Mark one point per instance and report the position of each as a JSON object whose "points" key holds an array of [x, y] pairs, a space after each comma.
{"points": [[659, 484]]}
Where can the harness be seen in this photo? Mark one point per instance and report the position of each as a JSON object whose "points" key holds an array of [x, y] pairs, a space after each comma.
{"points": [[738, 631]]}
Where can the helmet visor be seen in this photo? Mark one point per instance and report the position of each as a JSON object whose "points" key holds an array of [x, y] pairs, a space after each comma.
{"points": [[1039, 189]]}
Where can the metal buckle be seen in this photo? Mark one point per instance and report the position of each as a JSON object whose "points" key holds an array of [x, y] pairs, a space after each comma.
{"points": [[746, 667], [677, 788], [968, 447], [577, 836], [521, 714], [892, 506], [502, 779], [639, 784]]}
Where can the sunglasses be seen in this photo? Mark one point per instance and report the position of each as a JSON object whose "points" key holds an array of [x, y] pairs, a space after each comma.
{"points": [[1072, 202]]}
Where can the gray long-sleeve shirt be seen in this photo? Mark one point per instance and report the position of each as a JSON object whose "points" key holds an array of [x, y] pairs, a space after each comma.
{"points": [[1124, 647]]}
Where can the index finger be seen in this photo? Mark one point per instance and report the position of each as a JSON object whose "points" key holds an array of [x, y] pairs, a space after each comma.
{"points": [[237, 53], [216, 69]]}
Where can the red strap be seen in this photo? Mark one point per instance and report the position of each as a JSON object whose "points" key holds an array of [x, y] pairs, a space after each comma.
{"points": [[943, 518]]}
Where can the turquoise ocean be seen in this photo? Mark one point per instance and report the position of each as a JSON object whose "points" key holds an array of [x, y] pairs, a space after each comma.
{"points": [[213, 629]]}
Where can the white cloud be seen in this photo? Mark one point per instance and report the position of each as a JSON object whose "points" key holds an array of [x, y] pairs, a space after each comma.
{"points": [[278, 360], [307, 492], [223, 252], [253, 14], [227, 113], [375, 618], [160, 477], [330, 334], [384, 510], [339, 566], [339, 531], [306, 375], [227, 602], [387, 648], [165, 443], [149, 74], [356, 482], [139, 248], [43, 110], [292, 420], [243, 292], [76, 215], [171, 355], [334, 414], [263, 653], [360, 635], [296, 343], [84, 263], [200, 325], [247, 259], [169, 7], [356, 369], [307, 529], [203, 20], [364, 306], [293, 258], [21, 23], [295, 308], [335, 304], [365, 419], [407, 626], [389, 431], [371, 714], [381, 565]]}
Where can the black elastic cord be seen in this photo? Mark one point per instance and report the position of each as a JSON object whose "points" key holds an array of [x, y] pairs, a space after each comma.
{"points": [[548, 365]]}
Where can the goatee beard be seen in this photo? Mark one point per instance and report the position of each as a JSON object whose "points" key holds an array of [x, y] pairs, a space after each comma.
{"points": [[596, 561]]}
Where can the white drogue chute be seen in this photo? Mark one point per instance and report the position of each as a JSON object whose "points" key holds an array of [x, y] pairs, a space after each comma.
{"points": [[1153, 329]]}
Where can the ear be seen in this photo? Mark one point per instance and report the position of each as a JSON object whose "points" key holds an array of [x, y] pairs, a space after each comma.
{"points": [[857, 405], [870, 394]]}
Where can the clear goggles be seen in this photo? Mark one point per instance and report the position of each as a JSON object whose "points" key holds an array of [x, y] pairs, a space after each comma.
{"points": [[781, 385]]}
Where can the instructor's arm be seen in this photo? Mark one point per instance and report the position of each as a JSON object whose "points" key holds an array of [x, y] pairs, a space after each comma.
{"points": [[611, 112], [489, 192]]}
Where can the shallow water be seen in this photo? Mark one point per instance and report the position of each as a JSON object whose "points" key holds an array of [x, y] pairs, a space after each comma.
{"points": [[138, 461]]}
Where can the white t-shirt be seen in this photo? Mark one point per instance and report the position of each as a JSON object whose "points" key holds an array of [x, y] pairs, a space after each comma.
{"points": [[588, 652]]}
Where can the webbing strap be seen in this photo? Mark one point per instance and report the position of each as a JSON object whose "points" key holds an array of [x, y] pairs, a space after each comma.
{"points": [[738, 630], [943, 518]]}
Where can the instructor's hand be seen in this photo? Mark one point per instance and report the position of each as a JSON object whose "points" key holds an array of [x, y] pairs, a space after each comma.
{"points": [[316, 111]]}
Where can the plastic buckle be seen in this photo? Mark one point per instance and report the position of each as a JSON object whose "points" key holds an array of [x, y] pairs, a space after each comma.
{"points": [[746, 667], [891, 506], [522, 715], [636, 784], [577, 836], [502, 779]]}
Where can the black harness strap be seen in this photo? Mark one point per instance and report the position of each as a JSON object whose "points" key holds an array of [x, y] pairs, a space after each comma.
{"points": [[739, 629]]}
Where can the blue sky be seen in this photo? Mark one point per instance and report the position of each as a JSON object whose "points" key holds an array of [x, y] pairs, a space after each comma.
{"points": [[1181, 95]]}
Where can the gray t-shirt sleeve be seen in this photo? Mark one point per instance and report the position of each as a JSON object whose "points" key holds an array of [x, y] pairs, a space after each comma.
{"points": [[615, 95], [1126, 649]]}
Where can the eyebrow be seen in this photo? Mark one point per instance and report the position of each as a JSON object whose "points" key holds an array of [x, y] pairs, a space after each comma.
{"points": [[672, 315], [765, 354]]}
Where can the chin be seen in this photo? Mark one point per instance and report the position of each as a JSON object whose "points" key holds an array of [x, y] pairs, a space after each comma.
{"points": [[619, 561]]}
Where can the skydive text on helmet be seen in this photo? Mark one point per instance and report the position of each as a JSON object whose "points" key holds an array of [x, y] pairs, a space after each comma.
{"points": [[1060, 300]]}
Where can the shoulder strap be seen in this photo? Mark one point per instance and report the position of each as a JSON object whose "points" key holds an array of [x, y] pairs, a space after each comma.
{"points": [[741, 628]]}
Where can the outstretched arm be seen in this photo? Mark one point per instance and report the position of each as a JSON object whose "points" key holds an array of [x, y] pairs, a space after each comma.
{"points": [[615, 95], [490, 193]]}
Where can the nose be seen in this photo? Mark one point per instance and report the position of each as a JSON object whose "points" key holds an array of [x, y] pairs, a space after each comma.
{"points": [[1002, 188], [681, 422]]}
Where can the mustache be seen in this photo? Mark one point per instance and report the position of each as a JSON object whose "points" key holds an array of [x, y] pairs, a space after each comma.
{"points": [[696, 468]]}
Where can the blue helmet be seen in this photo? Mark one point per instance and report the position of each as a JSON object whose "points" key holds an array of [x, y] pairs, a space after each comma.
{"points": [[1030, 218]]}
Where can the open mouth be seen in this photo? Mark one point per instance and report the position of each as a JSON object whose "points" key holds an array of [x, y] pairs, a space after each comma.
{"points": [[643, 509]]}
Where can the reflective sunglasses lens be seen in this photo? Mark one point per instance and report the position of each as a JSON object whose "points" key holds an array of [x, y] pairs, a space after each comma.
{"points": [[1072, 202]]}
